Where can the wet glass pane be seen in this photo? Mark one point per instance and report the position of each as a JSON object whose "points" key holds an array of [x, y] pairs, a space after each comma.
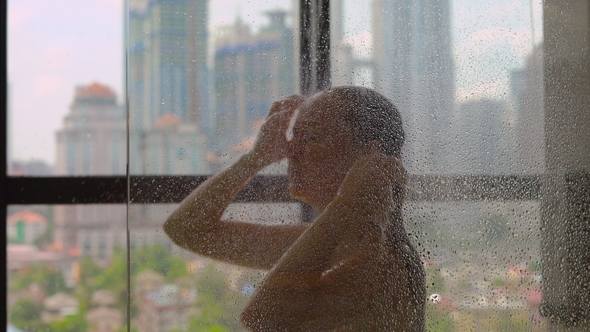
{"points": [[66, 267], [66, 112], [468, 83], [482, 261], [467, 78], [492, 232], [174, 288], [202, 76]]}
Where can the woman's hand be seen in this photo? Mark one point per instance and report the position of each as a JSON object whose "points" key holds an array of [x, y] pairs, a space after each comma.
{"points": [[271, 143]]}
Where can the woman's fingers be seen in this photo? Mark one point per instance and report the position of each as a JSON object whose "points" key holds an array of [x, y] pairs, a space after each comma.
{"points": [[279, 122], [271, 143], [289, 104]]}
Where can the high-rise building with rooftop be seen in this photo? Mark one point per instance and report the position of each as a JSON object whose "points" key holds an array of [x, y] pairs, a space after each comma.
{"points": [[167, 79], [93, 137], [92, 141], [413, 65], [167, 60], [341, 52], [251, 71]]}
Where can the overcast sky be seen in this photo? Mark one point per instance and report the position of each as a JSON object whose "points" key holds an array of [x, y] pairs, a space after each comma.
{"points": [[55, 45]]}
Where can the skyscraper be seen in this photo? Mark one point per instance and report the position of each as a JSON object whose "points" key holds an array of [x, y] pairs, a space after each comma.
{"points": [[167, 60], [92, 141], [480, 148], [251, 71], [413, 65], [93, 137], [529, 94], [167, 79]]}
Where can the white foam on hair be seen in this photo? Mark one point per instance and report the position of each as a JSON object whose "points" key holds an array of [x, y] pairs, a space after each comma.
{"points": [[289, 133]]}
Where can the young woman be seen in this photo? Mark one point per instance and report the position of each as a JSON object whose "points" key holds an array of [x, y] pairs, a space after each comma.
{"points": [[353, 268]]}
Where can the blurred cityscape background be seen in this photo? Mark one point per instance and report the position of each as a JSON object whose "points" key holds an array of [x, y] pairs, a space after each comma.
{"points": [[200, 78]]}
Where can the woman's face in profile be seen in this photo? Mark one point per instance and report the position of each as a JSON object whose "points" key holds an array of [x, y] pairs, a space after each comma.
{"points": [[321, 152]]}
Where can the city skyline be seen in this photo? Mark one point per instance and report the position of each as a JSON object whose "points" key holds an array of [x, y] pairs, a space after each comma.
{"points": [[482, 256], [24, 23]]}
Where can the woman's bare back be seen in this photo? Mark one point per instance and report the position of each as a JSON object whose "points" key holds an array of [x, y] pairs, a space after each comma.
{"points": [[392, 281]]}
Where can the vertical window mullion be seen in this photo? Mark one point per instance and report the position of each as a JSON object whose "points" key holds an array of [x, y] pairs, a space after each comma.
{"points": [[3, 145], [305, 47], [322, 43], [314, 56]]}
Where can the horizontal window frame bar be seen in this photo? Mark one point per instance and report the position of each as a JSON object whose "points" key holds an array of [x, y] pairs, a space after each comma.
{"points": [[153, 189]]}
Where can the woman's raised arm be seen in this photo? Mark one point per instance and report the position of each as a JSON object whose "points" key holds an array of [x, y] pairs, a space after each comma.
{"points": [[196, 224], [305, 284]]}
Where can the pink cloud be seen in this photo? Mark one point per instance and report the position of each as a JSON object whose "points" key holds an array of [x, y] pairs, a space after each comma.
{"points": [[57, 57], [47, 85], [54, 46]]}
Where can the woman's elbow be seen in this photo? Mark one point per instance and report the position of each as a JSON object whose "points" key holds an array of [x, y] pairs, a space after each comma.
{"points": [[173, 228]]}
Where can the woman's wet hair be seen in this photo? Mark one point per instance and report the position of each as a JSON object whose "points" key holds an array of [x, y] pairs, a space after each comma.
{"points": [[372, 116]]}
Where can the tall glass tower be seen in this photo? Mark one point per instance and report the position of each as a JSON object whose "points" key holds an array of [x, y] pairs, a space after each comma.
{"points": [[168, 60], [414, 67]]}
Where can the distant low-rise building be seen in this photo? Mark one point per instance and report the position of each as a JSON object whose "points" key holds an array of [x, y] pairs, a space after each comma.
{"points": [[103, 319], [166, 308], [21, 256], [58, 306], [33, 293], [30, 168], [148, 281], [25, 226], [103, 298]]}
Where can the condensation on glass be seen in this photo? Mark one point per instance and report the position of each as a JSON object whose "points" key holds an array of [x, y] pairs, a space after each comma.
{"points": [[468, 80], [202, 76], [496, 149]]}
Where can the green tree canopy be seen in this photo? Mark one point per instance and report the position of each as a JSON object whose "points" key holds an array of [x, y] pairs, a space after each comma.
{"points": [[50, 279], [26, 315], [159, 259]]}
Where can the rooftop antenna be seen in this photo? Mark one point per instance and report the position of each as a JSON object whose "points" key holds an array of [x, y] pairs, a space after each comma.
{"points": [[239, 12]]}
